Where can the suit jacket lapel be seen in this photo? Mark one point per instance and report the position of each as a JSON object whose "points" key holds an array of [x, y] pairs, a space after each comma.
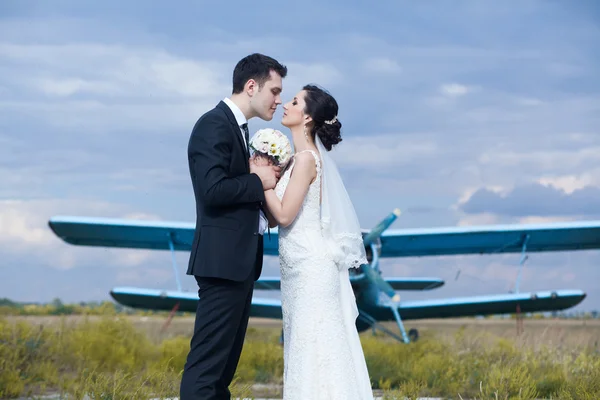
{"points": [[236, 130]]}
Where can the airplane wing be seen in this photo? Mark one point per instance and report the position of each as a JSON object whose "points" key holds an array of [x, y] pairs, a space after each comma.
{"points": [[188, 301], [491, 239], [409, 310], [268, 283], [414, 283], [482, 305], [135, 234]]}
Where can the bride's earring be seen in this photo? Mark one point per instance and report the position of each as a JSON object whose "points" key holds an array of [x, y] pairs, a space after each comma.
{"points": [[306, 134]]}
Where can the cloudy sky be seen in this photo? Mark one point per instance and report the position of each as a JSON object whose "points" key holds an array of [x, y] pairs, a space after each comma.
{"points": [[458, 113]]}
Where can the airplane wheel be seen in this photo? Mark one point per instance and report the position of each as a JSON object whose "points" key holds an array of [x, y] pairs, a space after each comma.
{"points": [[413, 335]]}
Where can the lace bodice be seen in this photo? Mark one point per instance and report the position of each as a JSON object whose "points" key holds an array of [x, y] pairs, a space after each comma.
{"points": [[310, 212]]}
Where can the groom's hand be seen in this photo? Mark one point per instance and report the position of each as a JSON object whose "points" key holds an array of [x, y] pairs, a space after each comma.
{"points": [[267, 174], [259, 160]]}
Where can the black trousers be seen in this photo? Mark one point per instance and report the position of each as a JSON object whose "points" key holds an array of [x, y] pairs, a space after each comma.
{"points": [[219, 331]]}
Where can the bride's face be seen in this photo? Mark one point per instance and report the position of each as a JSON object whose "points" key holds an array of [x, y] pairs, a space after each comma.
{"points": [[293, 111]]}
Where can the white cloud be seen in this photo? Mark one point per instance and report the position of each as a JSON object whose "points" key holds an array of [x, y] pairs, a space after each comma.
{"points": [[142, 216], [478, 219], [382, 65], [113, 69], [448, 94], [565, 69], [146, 277], [534, 199], [96, 117], [300, 74], [468, 192], [70, 86], [96, 87], [100, 87], [529, 102], [20, 226], [134, 258], [543, 159], [544, 220], [570, 183], [67, 92], [25, 234], [385, 150], [454, 90]]}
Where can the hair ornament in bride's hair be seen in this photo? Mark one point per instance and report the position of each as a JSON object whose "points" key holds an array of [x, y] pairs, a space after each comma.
{"points": [[331, 121]]}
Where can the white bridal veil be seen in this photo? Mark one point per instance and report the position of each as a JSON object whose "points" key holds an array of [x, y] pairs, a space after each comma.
{"points": [[340, 225]]}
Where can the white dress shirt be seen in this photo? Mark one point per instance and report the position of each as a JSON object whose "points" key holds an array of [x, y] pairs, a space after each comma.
{"points": [[241, 120]]}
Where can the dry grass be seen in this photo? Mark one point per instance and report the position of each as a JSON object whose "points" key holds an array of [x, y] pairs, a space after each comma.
{"points": [[131, 357]]}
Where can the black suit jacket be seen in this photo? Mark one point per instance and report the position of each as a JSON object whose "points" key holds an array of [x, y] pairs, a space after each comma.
{"points": [[228, 199]]}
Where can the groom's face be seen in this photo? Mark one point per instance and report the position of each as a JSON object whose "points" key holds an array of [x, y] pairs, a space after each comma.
{"points": [[268, 97]]}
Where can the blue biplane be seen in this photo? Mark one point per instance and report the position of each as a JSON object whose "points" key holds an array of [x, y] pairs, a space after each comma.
{"points": [[376, 296]]}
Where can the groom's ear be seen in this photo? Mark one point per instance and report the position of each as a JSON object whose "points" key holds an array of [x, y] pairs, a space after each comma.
{"points": [[251, 87]]}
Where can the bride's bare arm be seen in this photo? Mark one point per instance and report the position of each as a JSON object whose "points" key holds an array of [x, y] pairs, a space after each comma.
{"points": [[285, 211], [272, 221]]}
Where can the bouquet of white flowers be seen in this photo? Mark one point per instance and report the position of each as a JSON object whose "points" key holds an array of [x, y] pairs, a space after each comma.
{"points": [[273, 145]]}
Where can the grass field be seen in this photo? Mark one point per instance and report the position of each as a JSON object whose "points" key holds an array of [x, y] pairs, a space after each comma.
{"points": [[131, 357]]}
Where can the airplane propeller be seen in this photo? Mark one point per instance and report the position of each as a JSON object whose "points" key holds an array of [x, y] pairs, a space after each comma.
{"points": [[375, 233], [372, 240]]}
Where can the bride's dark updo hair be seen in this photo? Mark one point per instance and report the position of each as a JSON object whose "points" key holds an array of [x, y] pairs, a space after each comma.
{"points": [[323, 109]]}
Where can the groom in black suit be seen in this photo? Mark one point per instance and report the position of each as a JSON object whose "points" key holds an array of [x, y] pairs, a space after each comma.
{"points": [[227, 252]]}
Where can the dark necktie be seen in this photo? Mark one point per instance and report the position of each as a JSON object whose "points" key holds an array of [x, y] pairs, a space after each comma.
{"points": [[247, 136]]}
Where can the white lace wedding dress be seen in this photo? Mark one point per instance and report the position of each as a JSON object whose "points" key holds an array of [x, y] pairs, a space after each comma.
{"points": [[323, 357]]}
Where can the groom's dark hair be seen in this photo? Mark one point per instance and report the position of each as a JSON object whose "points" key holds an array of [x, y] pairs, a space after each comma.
{"points": [[258, 67]]}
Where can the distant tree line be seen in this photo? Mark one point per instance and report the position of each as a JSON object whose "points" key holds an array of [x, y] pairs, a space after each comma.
{"points": [[57, 307]]}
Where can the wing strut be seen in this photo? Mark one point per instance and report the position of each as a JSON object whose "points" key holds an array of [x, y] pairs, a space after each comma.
{"points": [[376, 325], [524, 258], [177, 281], [172, 247]]}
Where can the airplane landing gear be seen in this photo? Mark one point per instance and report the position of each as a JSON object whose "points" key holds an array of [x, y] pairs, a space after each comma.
{"points": [[281, 338], [413, 334], [394, 309]]}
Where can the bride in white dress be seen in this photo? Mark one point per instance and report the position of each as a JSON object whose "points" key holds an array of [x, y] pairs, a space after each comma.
{"points": [[319, 240]]}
